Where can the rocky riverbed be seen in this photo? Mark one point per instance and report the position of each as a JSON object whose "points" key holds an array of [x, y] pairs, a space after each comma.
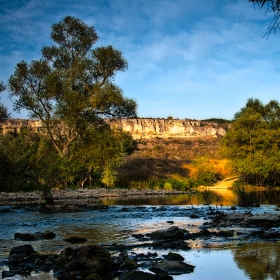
{"points": [[94, 195], [212, 227]]}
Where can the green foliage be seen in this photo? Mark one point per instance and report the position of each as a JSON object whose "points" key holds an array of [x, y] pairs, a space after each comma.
{"points": [[155, 182], [71, 91], [218, 121], [205, 171], [253, 143]]}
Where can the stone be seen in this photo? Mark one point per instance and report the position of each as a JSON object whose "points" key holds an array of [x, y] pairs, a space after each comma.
{"points": [[173, 232], [85, 260], [24, 236], [49, 235], [7, 274], [75, 239], [20, 252], [174, 257], [34, 236], [129, 264], [166, 244], [172, 267], [194, 216], [140, 275]]}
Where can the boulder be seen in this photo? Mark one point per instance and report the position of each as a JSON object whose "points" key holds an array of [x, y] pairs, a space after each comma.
{"points": [[34, 236], [265, 218], [7, 274], [174, 257], [225, 233], [172, 267], [173, 232], [20, 252], [140, 275], [75, 239], [84, 260], [167, 244]]}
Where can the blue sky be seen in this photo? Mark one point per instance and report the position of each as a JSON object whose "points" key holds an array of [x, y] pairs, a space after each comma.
{"points": [[187, 59]]}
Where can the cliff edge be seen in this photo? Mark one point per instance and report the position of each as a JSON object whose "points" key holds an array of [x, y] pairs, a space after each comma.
{"points": [[140, 128]]}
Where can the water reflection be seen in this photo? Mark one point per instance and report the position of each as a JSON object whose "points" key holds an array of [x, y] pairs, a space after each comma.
{"points": [[259, 260], [224, 197]]}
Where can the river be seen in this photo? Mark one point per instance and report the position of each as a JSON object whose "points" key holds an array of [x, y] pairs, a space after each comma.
{"points": [[124, 217]]}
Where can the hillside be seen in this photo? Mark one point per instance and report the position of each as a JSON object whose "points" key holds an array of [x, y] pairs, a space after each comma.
{"points": [[165, 158]]}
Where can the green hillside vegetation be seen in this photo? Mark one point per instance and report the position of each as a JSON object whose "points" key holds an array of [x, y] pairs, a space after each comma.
{"points": [[171, 163]]}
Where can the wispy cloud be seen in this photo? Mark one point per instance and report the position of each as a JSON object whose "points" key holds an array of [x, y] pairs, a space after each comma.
{"points": [[193, 59]]}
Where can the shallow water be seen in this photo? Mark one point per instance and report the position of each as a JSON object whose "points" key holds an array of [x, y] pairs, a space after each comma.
{"points": [[124, 217]]}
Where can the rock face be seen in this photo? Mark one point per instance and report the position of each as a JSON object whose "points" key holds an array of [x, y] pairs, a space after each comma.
{"points": [[164, 128], [15, 125], [140, 128]]}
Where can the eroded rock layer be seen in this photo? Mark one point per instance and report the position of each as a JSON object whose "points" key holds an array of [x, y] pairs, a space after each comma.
{"points": [[139, 128], [165, 128]]}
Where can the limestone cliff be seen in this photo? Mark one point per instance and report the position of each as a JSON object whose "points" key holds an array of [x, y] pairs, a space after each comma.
{"points": [[139, 128], [15, 125], [164, 128]]}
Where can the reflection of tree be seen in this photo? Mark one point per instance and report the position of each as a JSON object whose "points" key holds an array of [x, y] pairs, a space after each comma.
{"points": [[259, 260]]}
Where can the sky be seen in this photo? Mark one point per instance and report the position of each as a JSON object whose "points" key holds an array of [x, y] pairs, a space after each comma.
{"points": [[187, 59]]}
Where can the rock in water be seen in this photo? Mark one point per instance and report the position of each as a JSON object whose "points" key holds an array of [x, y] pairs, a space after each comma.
{"points": [[20, 252], [75, 239], [85, 260], [172, 267], [140, 275], [174, 233]]}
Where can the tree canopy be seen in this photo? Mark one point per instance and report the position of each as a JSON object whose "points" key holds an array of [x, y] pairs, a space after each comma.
{"points": [[252, 143], [71, 91]]}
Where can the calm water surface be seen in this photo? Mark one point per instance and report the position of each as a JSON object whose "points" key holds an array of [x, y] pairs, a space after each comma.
{"points": [[124, 217]]}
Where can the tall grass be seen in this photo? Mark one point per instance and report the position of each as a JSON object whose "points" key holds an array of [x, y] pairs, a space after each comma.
{"points": [[208, 197], [245, 198]]}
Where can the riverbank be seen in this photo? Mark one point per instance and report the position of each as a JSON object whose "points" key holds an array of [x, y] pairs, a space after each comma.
{"points": [[81, 194]]}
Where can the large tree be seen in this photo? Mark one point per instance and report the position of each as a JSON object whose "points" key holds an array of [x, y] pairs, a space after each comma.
{"points": [[253, 143], [71, 91]]}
